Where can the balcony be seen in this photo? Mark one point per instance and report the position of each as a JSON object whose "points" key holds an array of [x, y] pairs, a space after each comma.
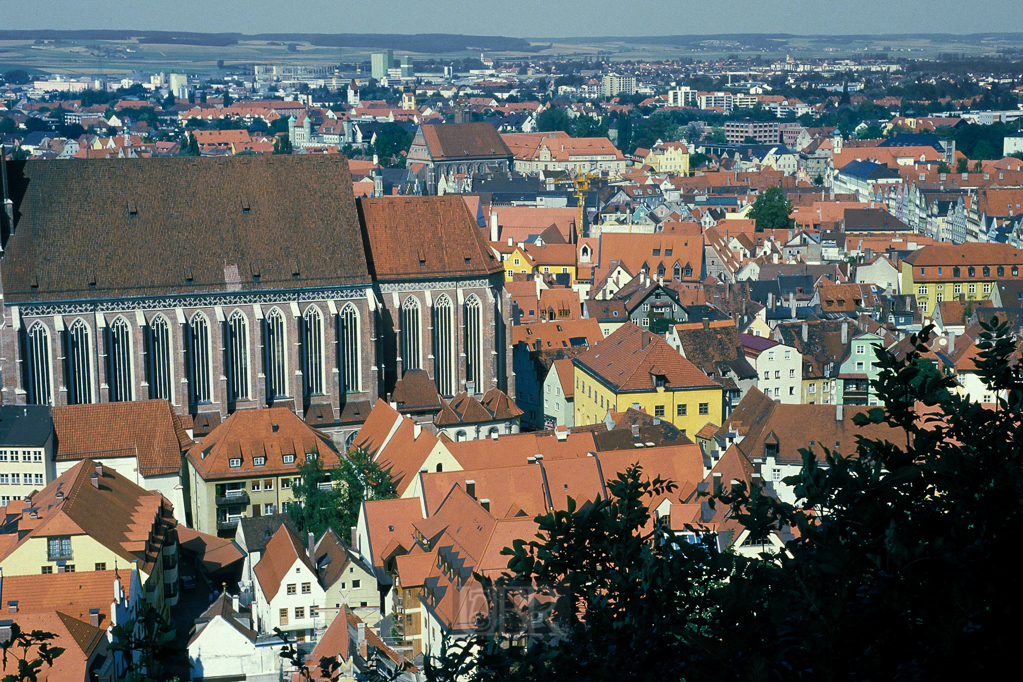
{"points": [[230, 523], [232, 497]]}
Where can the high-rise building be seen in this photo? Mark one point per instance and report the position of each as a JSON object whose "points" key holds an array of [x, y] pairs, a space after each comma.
{"points": [[179, 85], [380, 62], [407, 69], [618, 84]]}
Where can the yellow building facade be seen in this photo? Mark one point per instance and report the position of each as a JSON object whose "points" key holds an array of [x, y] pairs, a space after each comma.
{"points": [[944, 272]]}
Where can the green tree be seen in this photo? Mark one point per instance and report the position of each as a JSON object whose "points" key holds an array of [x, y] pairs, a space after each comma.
{"points": [[332, 498], [896, 565], [7, 126], [588, 126], [962, 165], [772, 210], [944, 168], [749, 139], [391, 145], [282, 144], [189, 145], [715, 136], [554, 118], [25, 653]]}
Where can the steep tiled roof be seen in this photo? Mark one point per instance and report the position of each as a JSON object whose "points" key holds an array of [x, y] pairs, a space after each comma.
{"points": [[271, 432], [962, 255], [389, 523], [625, 360], [78, 639], [450, 141], [284, 548], [423, 237], [147, 227], [715, 349], [416, 391], [396, 443], [638, 250], [146, 429], [558, 333], [127, 520], [73, 594]]}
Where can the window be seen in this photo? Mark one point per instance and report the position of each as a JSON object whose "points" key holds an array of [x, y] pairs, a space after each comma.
{"points": [[921, 291], [238, 356], [704, 408], [987, 288], [788, 355], [79, 360], [411, 323], [119, 361], [69, 568], [356, 584], [767, 376], [659, 410], [101, 566], [259, 461], [351, 349], [46, 570], [859, 366], [283, 615], [159, 357], [299, 612], [289, 459], [312, 347], [5, 479], [444, 345], [474, 342], [813, 388], [777, 374], [234, 462], [770, 356], [40, 373], [291, 588], [307, 588], [201, 361], [860, 349], [15, 479], [792, 374], [58, 548], [38, 479], [26, 456], [776, 474], [314, 611], [37, 456], [268, 484], [269, 509], [255, 486], [276, 341], [1001, 270], [972, 288], [939, 297], [957, 288]]}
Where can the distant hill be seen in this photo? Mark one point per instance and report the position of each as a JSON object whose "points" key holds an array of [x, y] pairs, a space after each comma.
{"points": [[419, 42]]}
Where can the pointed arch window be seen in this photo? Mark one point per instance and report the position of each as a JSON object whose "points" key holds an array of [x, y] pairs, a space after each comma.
{"points": [[351, 349], [676, 271], [160, 373], [202, 360], [119, 361], [444, 345], [313, 348], [79, 359], [238, 356], [40, 371], [276, 355], [474, 342], [411, 335]]}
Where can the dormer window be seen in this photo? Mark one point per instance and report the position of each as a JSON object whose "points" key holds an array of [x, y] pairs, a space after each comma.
{"points": [[259, 461], [289, 459], [234, 462]]}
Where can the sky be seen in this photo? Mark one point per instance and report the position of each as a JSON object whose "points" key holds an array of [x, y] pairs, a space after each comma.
{"points": [[522, 18]]}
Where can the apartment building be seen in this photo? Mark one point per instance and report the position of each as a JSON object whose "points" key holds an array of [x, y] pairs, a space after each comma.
{"points": [[26, 451], [764, 132], [943, 272]]}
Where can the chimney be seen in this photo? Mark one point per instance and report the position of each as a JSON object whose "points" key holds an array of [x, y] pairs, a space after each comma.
{"points": [[94, 478], [839, 412], [5, 625], [355, 537], [657, 421], [951, 341], [493, 436], [494, 229], [845, 333], [792, 304], [485, 503], [12, 606], [311, 540], [806, 332], [362, 640], [706, 323], [234, 602], [470, 488], [417, 429], [635, 430], [717, 482], [99, 468], [94, 617]]}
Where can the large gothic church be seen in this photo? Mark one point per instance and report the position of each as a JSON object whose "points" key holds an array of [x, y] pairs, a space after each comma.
{"points": [[225, 283]]}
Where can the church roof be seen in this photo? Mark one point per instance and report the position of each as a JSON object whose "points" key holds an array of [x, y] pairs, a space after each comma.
{"points": [[152, 227], [451, 141]]}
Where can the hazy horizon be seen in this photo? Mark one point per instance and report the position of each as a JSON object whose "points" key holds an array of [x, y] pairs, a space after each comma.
{"points": [[538, 19]]}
